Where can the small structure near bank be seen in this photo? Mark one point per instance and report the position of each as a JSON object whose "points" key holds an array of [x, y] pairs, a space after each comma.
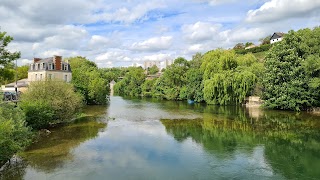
{"points": [[49, 68]]}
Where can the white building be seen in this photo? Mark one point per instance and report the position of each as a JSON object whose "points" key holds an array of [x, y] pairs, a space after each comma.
{"points": [[276, 37], [49, 68]]}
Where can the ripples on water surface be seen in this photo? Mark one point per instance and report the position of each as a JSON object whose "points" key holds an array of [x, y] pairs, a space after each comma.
{"points": [[151, 139]]}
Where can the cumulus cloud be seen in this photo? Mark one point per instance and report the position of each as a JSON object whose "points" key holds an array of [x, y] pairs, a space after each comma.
{"points": [[153, 44], [277, 10], [112, 55], [200, 31], [157, 57], [129, 15]]}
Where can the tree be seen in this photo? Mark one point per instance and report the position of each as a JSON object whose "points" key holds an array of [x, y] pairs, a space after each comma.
{"points": [[14, 134], [227, 78], [171, 83], [286, 81], [131, 84], [239, 46], [153, 70], [265, 40], [22, 72], [49, 102], [248, 44], [5, 55], [89, 81]]}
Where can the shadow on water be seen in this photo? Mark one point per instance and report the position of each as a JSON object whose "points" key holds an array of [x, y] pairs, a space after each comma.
{"points": [[51, 151], [290, 142]]}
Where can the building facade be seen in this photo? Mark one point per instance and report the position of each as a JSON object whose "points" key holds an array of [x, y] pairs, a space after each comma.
{"points": [[276, 37], [49, 68]]}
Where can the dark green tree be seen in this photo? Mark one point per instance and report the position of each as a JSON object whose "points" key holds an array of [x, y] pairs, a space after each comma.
{"points": [[5, 55], [286, 79]]}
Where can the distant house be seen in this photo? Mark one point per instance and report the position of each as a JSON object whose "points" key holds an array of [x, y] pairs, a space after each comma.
{"points": [[276, 37], [21, 86], [49, 68], [251, 46]]}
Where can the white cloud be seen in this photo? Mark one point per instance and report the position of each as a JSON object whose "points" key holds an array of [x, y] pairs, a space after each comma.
{"points": [[157, 57], [217, 2], [98, 42], [153, 44], [277, 10], [113, 55], [126, 15], [200, 31], [246, 34]]}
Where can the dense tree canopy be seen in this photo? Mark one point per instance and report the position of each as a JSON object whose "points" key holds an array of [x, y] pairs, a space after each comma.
{"points": [[89, 81], [131, 83], [292, 73], [228, 78]]}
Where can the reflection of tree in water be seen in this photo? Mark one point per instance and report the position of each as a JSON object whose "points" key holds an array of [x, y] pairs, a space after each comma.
{"points": [[52, 151], [14, 170], [292, 142]]}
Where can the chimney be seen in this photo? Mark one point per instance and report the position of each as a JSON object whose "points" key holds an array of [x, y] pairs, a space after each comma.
{"points": [[36, 60], [57, 61]]}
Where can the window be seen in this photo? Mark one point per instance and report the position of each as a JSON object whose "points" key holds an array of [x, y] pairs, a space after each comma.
{"points": [[40, 76], [66, 78], [50, 66], [38, 66], [65, 67], [36, 77], [44, 66]]}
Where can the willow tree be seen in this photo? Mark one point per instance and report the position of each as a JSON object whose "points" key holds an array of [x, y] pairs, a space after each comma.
{"points": [[228, 78]]}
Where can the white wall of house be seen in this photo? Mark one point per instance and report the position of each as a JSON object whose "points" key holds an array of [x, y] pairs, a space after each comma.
{"points": [[42, 75], [276, 40]]}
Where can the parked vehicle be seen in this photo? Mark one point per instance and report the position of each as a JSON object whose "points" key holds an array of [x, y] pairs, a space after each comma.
{"points": [[11, 96]]}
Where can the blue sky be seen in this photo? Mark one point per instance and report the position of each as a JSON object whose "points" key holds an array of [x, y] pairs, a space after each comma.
{"points": [[124, 32]]}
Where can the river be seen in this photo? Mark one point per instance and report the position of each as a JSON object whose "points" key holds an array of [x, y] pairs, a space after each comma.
{"points": [[153, 139]]}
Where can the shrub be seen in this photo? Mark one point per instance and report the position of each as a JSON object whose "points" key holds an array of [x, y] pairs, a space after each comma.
{"points": [[14, 134], [49, 102]]}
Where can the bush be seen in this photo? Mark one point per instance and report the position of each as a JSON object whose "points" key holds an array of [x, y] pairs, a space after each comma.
{"points": [[49, 102], [14, 134]]}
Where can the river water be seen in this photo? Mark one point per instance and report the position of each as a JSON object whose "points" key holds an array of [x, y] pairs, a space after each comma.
{"points": [[152, 139]]}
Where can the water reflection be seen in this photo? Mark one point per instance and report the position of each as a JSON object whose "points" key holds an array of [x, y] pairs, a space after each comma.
{"points": [[289, 143], [53, 150], [154, 139]]}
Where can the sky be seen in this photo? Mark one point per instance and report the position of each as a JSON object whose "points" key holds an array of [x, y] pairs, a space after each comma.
{"points": [[126, 32]]}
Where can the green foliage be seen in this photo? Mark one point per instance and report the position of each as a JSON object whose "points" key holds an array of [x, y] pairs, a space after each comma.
{"points": [[291, 71], [110, 74], [261, 48], [194, 83], [131, 83], [153, 70], [173, 80], [14, 135], [49, 102], [147, 87], [22, 72], [5, 55], [228, 78], [89, 80]]}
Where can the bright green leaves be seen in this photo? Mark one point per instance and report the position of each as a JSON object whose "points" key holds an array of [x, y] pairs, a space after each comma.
{"points": [[228, 78], [89, 80]]}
